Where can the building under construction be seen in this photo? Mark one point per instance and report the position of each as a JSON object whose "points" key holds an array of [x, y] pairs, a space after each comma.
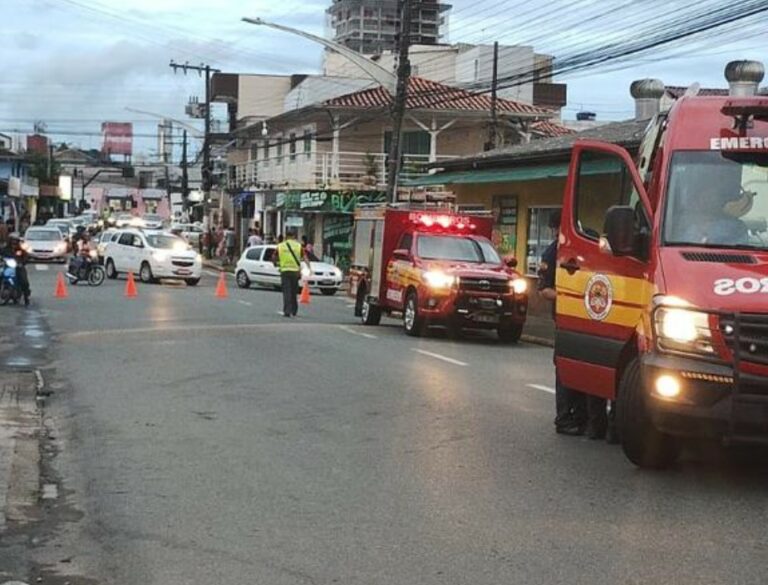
{"points": [[371, 26]]}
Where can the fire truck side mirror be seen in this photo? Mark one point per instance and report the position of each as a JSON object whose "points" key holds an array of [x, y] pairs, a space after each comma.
{"points": [[511, 262], [401, 254], [620, 230]]}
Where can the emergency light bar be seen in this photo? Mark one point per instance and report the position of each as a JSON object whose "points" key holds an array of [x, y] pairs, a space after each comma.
{"points": [[446, 222]]}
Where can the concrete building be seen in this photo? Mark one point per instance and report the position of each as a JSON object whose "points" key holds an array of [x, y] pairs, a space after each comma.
{"points": [[525, 75], [316, 163], [371, 26]]}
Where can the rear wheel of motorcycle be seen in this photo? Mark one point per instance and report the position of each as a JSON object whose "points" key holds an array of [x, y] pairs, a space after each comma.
{"points": [[96, 276]]}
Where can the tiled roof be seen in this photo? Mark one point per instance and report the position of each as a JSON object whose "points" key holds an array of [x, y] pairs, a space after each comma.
{"points": [[424, 94], [547, 129]]}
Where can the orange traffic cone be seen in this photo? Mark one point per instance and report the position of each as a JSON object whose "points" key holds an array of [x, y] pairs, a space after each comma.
{"points": [[221, 287], [130, 287], [304, 298], [61, 287]]}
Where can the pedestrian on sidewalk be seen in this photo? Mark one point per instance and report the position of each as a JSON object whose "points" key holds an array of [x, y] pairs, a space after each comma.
{"points": [[255, 239], [289, 261], [570, 405], [229, 245]]}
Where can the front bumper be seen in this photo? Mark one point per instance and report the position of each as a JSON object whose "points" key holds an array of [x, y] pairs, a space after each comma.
{"points": [[474, 311], [178, 269], [43, 255], [322, 282], [713, 401]]}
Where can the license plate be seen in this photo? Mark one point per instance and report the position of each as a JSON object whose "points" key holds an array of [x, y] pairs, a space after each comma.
{"points": [[327, 282], [184, 272], [487, 318]]}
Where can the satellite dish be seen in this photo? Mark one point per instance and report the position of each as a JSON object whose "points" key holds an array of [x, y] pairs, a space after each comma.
{"points": [[693, 90]]}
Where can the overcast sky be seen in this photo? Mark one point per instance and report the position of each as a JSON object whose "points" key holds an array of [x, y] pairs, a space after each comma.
{"points": [[72, 66]]}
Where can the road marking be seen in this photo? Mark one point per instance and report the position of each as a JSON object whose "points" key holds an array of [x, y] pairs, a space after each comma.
{"points": [[246, 303], [438, 356], [353, 332], [542, 388], [217, 273], [352, 306], [41, 267]]}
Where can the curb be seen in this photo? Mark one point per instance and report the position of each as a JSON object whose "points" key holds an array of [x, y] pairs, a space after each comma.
{"points": [[537, 340]]}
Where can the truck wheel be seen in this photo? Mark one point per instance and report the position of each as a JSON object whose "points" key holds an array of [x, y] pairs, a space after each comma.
{"points": [[369, 313], [510, 333], [412, 322], [643, 444]]}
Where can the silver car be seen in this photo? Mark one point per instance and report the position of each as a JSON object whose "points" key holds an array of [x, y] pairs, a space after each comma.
{"points": [[45, 243]]}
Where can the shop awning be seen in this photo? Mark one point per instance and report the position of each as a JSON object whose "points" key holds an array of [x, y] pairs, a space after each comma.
{"points": [[512, 174]]}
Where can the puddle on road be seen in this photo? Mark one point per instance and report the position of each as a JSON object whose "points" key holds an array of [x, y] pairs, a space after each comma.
{"points": [[34, 332], [18, 361]]}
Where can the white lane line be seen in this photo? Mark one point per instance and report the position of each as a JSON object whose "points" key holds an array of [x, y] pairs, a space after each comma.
{"points": [[542, 388], [438, 356], [216, 273], [353, 332], [246, 303], [41, 267]]}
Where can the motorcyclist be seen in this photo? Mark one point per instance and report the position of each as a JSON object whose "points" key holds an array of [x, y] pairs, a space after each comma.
{"points": [[82, 256], [14, 249]]}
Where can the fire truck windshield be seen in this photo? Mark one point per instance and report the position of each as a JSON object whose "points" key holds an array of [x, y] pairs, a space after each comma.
{"points": [[717, 199], [457, 249]]}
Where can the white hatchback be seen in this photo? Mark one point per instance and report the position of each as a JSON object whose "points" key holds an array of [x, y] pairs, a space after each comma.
{"points": [[257, 266], [153, 255]]}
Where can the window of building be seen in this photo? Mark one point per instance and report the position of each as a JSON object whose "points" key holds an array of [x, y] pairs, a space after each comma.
{"points": [[279, 147], [416, 142], [255, 151], [540, 235], [604, 181], [266, 153], [292, 146], [308, 143]]}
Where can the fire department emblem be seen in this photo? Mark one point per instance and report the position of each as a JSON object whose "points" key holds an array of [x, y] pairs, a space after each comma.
{"points": [[598, 297]]}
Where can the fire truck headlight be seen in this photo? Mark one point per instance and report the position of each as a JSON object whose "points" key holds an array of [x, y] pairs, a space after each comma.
{"points": [[519, 286], [683, 330], [439, 279]]}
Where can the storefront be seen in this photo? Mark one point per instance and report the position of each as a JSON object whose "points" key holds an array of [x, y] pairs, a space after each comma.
{"points": [[326, 218]]}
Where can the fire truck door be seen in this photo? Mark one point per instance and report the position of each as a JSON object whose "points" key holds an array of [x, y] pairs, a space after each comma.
{"points": [[600, 296], [398, 271]]}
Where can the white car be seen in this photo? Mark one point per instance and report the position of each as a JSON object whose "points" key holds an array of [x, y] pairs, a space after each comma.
{"points": [[257, 266], [124, 220], [101, 241], [152, 221], [46, 243], [152, 255], [189, 231], [63, 224]]}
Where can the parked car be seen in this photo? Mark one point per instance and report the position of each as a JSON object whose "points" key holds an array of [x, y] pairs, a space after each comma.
{"points": [[257, 266], [152, 255], [46, 243], [123, 220], [189, 231]]}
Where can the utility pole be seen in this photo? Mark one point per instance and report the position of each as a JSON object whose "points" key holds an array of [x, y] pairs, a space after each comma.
{"points": [[184, 174], [206, 170], [493, 137], [401, 96]]}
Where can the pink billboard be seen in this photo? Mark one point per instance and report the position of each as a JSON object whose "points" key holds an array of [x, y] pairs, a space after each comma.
{"points": [[117, 138]]}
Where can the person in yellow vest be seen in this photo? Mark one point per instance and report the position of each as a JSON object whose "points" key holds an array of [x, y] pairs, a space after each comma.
{"points": [[289, 254]]}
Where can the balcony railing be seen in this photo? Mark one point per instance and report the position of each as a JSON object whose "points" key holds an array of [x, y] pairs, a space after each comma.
{"points": [[348, 170]]}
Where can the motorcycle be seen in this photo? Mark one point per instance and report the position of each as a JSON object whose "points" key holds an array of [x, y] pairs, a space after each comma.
{"points": [[9, 283], [86, 269]]}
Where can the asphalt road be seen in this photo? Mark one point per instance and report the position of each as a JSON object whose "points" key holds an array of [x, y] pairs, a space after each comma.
{"points": [[213, 441]]}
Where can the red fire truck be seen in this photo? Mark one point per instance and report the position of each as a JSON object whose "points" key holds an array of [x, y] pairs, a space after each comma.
{"points": [[435, 267], [663, 276]]}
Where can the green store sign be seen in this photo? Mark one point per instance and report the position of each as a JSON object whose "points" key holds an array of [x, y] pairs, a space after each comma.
{"points": [[328, 201]]}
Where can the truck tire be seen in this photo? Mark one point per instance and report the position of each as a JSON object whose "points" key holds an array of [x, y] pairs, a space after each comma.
{"points": [[510, 333], [412, 322], [642, 443], [370, 314]]}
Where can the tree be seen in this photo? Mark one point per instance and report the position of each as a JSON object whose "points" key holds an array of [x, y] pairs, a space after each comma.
{"points": [[45, 170]]}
